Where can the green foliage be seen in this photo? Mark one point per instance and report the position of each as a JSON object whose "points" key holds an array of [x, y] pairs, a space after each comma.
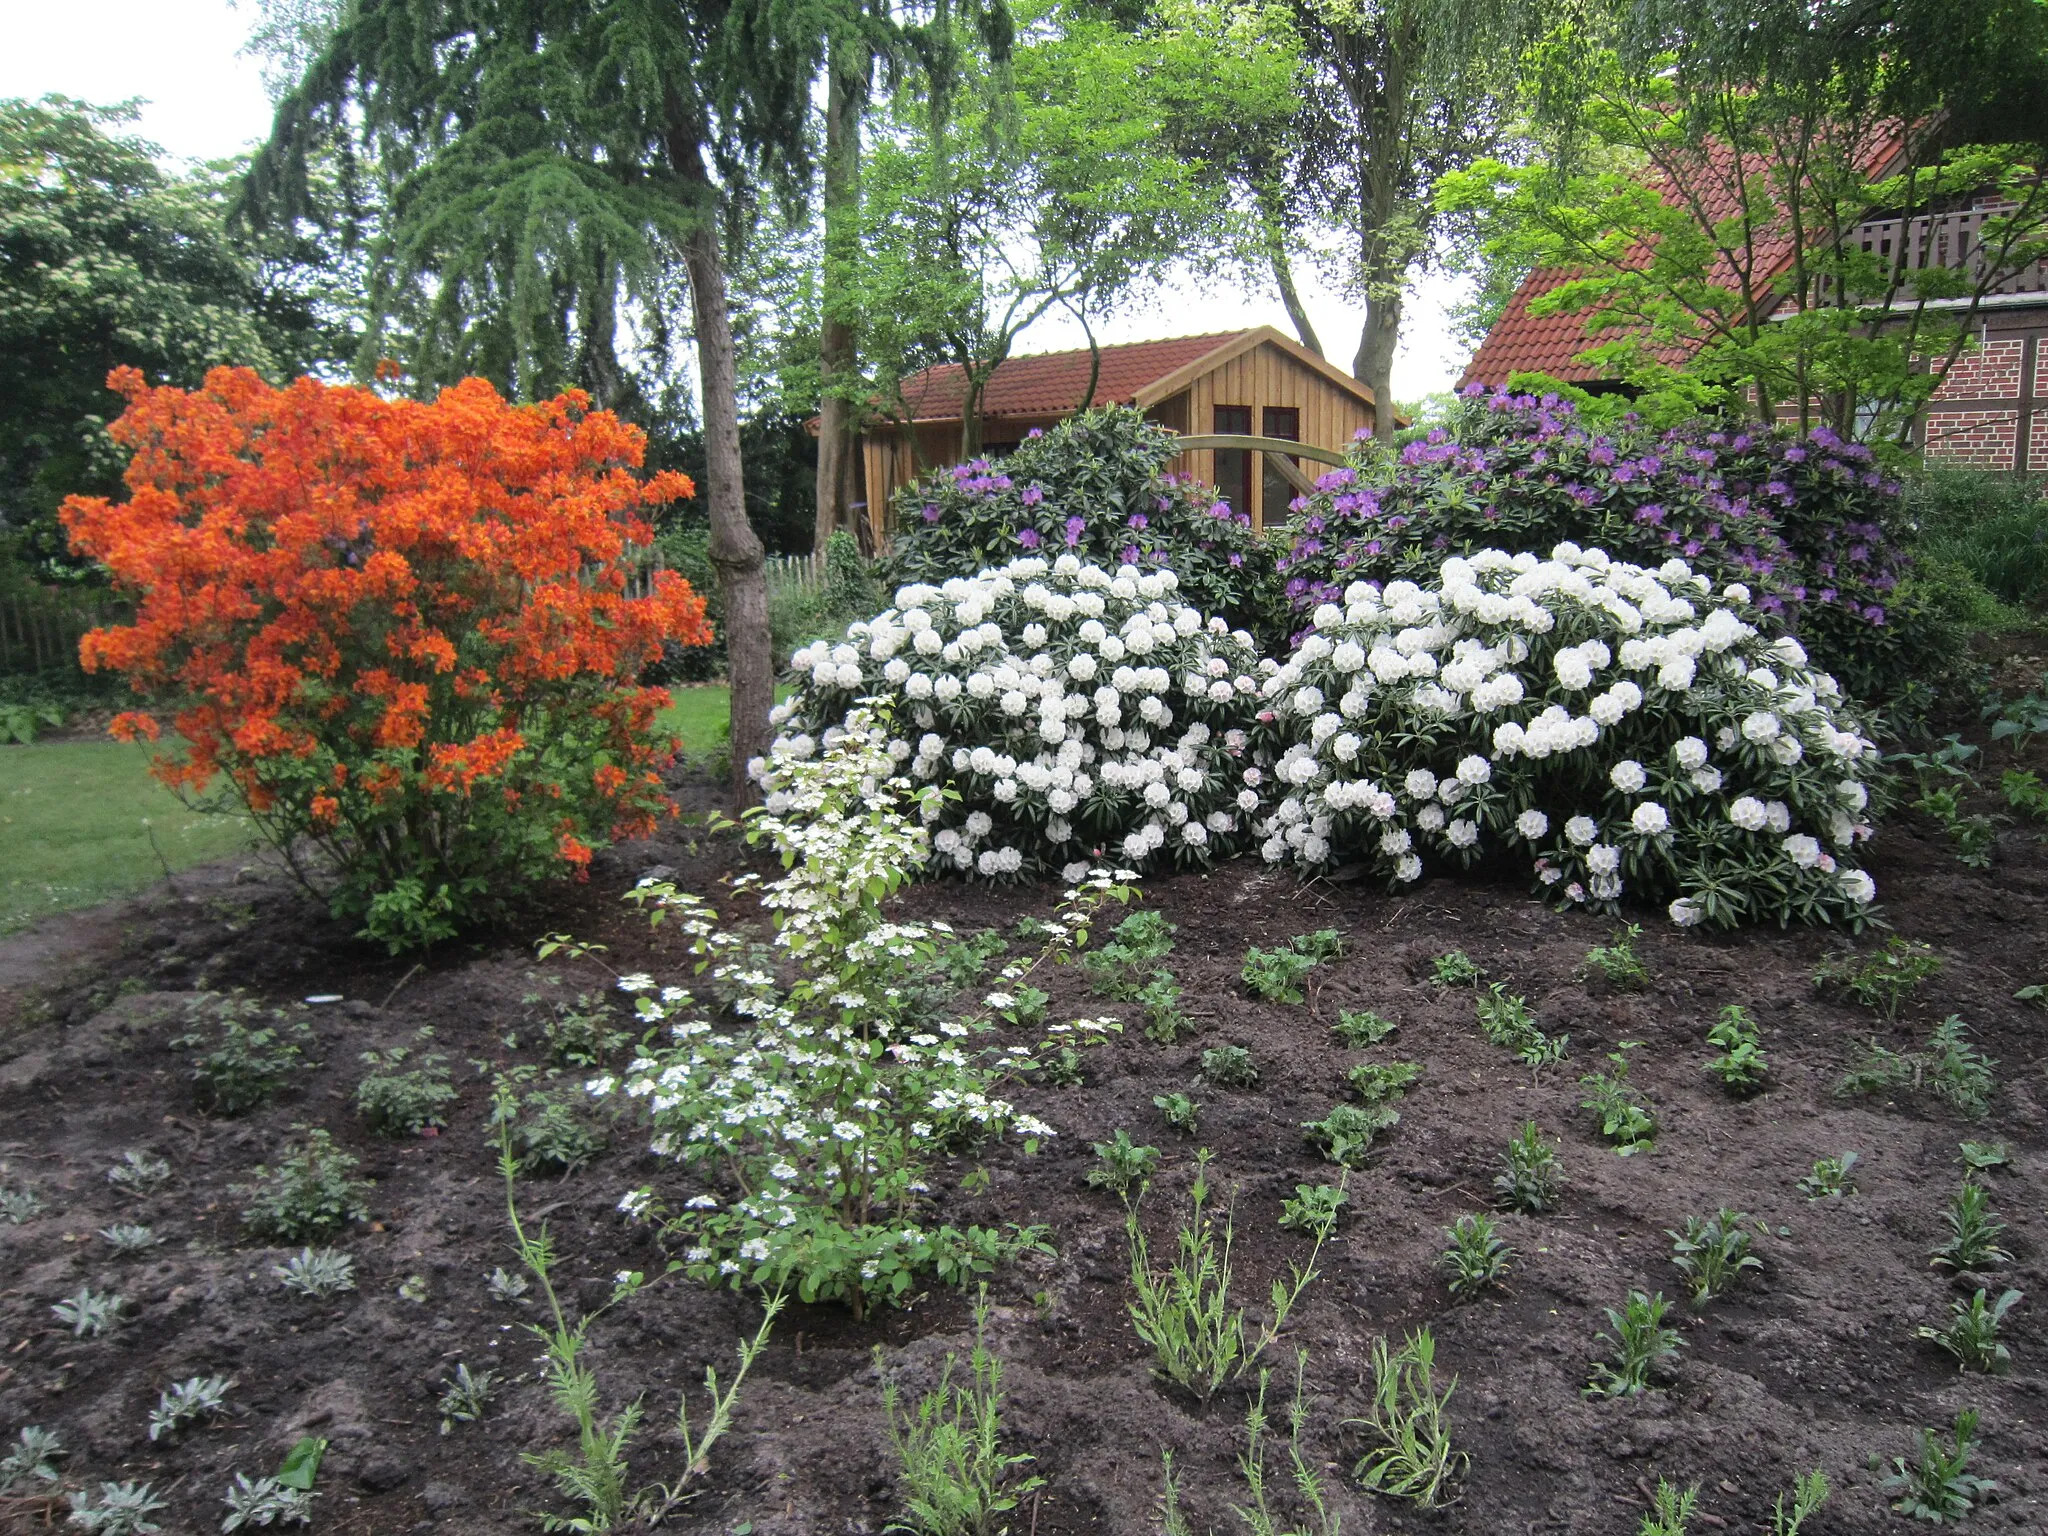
{"points": [[1939, 1487], [140, 1172], [550, 1131], [1181, 1112], [1972, 1332], [1455, 968], [1407, 1427], [1160, 998], [19, 1205], [1346, 1134], [1477, 1258], [1229, 1066], [90, 1313], [1712, 1252], [1314, 1209], [33, 1459], [465, 1396], [955, 1477], [1669, 1510], [2025, 792], [397, 1100], [1809, 1491], [1984, 1156], [1881, 980], [1530, 1182], [240, 1065], [1993, 525], [1383, 1082], [1277, 975], [1624, 1115], [1361, 1028], [1121, 1165], [309, 1194], [1829, 1178], [129, 1239], [1505, 1019], [584, 1033], [1973, 1232], [964, 961], [1742, 1065], [265, 1501], [1258, 1516], [1639, 1344], [1618, 961], [1950, 1068], [319, 1273], [116, 1509], [186, 1402], [1139, 942], [1975, 834]]}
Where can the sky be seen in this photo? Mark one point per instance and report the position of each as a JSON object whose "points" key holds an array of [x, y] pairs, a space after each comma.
{"points": [[201, 100]]}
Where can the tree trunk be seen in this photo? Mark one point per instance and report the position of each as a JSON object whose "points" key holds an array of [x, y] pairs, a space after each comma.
{"points": [[736, 552], [1273, 233], [1374, 365], [838, 359]]}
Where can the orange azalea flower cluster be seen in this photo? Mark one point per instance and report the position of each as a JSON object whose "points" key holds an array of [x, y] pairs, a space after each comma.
{"points": [[400, 630]]}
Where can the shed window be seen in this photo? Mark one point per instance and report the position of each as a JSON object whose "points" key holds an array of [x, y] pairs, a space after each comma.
{"points": [[1234, 465], [1282, 421]]}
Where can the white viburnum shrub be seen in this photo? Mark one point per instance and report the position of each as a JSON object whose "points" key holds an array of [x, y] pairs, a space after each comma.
{"points": [[1074, 716], [1626, 729], [808, 1091]]}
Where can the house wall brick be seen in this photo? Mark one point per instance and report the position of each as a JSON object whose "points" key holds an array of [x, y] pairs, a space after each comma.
{"points": [[1983, 438], [1993, 369]]}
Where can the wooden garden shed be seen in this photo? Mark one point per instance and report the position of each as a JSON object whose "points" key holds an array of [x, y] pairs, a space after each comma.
{"points": [[1255, 383]]}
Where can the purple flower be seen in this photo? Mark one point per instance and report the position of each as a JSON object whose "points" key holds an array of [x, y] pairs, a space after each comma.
{"points": [[1130, 554], [1029, 538], [1036, 432], [1075, 527], [1033, 494], [931, 513], [1236, 559], [1139, 521]]}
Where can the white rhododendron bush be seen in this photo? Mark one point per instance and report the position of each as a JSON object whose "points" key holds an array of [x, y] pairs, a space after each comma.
{"points": [[1074, 713], [1628, 731]]}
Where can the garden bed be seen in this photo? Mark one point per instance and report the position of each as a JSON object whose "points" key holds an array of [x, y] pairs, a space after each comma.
{"points": [[1811, 1362]]}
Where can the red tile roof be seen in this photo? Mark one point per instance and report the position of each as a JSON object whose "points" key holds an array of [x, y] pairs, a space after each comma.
{"points": [[1053, 383]]}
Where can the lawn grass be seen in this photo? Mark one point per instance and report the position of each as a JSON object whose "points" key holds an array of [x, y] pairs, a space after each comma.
{"points": [[76, 817]]}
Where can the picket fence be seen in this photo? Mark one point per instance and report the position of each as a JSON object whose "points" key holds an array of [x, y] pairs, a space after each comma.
{"points": [[40, 628]]}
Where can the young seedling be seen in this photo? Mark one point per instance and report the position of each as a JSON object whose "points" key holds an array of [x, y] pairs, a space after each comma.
{"points": [[1277, 975], [140, 1172], [504, 1287], [1670, 1510], [1064, 1068], [1164, 1020], [1830, 1178], [1505, 1019], [19, 1205], [465, 1396], [1024, 1007], [1455, 969], [187, 1402], [1530, 1183], [1258, 1515], [1477, 1257], [1618, 961], [1139, 943], [1741, 1066], [1639, 1344], [1314, 1209], [1407, 1427], [1229, 1066], [1181, 1112], [117, 1509], [398, 1100], [1713, 1254], [1345, 1135], [1883, 980], [319, 1273], [1809, 1492], [1382, 1083], [128, 1238], [90, 1313], [1121, 1164], [1360, 1028], [266, 1502], [1624, 1117], [33, 1460], [413, 1288], [1950, 1068], [1984, 1156], [1972, 1332], [583, 1033], [965, 961], [1939, 1487], [1973, 1232], [549, 1132], [310, 1194], [238, 1068]]}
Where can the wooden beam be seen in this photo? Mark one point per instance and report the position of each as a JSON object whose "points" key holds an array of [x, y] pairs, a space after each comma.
{"points": [[1274, 445]]}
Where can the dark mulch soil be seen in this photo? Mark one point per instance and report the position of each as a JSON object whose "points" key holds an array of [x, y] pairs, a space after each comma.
{"points": [[1813, 1362]]}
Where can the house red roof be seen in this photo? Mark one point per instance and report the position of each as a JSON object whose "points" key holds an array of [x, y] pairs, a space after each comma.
{"points": [[1053, 383]]}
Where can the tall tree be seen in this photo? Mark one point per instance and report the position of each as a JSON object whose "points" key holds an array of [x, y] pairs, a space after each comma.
{"points": [[551, 156]]}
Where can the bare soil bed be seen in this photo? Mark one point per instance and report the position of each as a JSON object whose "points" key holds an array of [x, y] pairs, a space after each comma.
{"points": [[1812, 1362]]}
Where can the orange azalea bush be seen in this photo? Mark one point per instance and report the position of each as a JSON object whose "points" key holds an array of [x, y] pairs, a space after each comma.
{"points": [[397, 633]]}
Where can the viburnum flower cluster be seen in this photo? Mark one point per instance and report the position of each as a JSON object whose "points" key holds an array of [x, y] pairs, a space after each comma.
{"points": [[812, 1084], [1625, 729], [1075, 714], [399, 630]]}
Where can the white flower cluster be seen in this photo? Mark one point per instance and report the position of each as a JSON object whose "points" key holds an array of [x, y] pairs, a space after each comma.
{"points": [[1077, 714], [1621, 726]]}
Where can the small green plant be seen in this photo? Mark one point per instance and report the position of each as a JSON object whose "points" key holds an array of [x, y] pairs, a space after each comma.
{"points": [[1064, 1068], [1360, 1028], [1024, 1006], [311, 1193], [1407, 1428], [266, 1502], [140, 1172], [1624, 1115], [1506, 1020], [550, 1134], [2025, 792], [1830, 1177], [584, 1033], [1277, 975], [413, 1288], [319, 1273], [1136, 947], [1346, 1134], [1984, 1156], [1258, 1515], [1183, 1310], [1742, 1064], [1164, 1020], [187, 1402], [1881, 980], [1121, 1164], [129, 1238], [1638, 1345], [1973, 1231], [1975, 834], [1670, 1510], [504, 1287], [1455, 969], [19, 1205], [1712, 1253], [1314, 1209], [33, 1460], [1229, 1066], [1382, 1083], [1972, 1332], [90, 1313], [956, 1478], [1181, 1112], [1951, 1068], [399, 1100], [465, 1396], [1939, 1487], [239, 1064], [1477, 1257], [117, 1509], [1618, 961], [1809, 1492], [1529, 1181], [964, 961]]}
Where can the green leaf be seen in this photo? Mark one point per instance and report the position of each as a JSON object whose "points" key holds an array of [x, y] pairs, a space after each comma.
{"points": [[302, 1463]]}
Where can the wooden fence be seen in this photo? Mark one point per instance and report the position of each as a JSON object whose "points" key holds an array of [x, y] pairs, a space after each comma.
{"points": [[40, 628], [806, 573]]}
